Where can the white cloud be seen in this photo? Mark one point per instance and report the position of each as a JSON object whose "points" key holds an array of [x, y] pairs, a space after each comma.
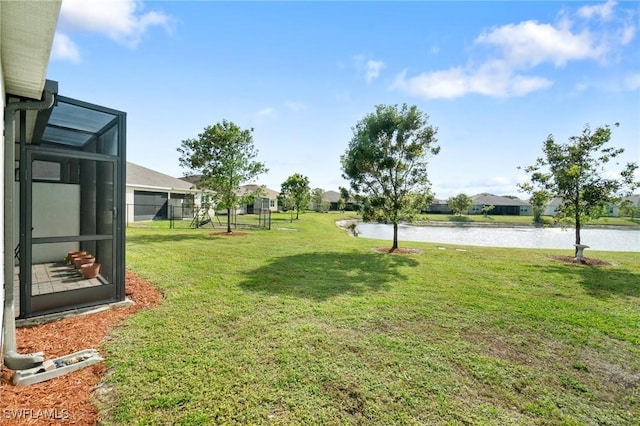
{"points": [[603, 11], [632, 82], [529, 43], [497, 185], [458, 82], [370, 67], [372, 70], [266, 113], [124, 21], [64, 48], [627, 34], [295, 106], [507, 56]]}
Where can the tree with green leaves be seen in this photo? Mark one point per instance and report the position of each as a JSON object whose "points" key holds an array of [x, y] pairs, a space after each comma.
{"points": [[224, 156], [296, 190], [539, 201], [460, 204], [318, 201], [344, 198], [386, 163], [486, 209], [575, 172], [627, 208]]}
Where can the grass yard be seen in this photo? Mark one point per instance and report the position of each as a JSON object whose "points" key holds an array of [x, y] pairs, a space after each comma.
{"points": [[304, 324]]}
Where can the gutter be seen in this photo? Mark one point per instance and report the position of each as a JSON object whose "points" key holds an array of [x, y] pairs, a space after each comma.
{"points": [[12, 359]]}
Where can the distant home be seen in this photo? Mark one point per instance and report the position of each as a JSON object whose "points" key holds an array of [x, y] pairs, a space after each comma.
{"points": [[612, 210], [267, 200], [512, 206], [438, 206], [502, 205], [152, 195], [333, 198]]}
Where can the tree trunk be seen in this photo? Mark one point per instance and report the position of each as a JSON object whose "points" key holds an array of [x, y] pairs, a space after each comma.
{"points": [[297, 213], [228, 221], [395, 236], [577, 213]]}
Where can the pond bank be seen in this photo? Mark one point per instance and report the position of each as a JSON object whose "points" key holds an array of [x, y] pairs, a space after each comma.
{"points": [[449, 224], [507, 236]]}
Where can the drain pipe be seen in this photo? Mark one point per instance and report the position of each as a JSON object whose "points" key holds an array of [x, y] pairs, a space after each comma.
{"points": [[12, 359]]}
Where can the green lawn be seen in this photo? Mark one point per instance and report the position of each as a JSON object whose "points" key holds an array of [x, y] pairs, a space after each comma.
{"points": [[304, 324]]}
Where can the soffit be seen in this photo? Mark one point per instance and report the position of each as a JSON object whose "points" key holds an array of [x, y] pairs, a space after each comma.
{"points": [[26, 36]]}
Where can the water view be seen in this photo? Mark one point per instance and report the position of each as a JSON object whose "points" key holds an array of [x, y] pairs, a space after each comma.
{"points": [[524, 237]]}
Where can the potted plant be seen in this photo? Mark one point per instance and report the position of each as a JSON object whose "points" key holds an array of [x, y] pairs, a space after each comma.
{"points": [[90, 270], [81, 260]]}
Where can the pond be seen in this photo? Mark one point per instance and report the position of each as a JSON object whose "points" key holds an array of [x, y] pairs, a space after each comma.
{"points": [[523, 237]]}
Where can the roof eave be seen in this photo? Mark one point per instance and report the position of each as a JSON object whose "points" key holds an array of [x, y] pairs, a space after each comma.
{"points": [[26, 37]]}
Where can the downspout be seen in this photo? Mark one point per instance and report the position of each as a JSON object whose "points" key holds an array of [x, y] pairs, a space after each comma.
{"points": [[12, 359]]}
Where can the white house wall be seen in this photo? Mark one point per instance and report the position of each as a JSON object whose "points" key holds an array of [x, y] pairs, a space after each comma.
{"points": [[51, 218], [2, 98]]}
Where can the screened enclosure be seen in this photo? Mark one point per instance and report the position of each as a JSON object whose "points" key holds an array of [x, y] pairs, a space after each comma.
{"points": [[70, 177]]}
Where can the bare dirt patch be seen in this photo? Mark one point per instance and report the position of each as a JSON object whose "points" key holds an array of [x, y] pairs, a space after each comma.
{"points": [[586, 261], [69, 397], [229, 234], [497, 347], [399, 250]]}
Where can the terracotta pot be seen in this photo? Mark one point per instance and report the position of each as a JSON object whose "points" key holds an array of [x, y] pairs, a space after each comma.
{"points": [[73, 254], [81, 260], [90, 270]]}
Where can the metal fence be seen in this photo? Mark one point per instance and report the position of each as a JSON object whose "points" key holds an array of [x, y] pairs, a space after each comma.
{"points": [[187, 216], [183, 217]]}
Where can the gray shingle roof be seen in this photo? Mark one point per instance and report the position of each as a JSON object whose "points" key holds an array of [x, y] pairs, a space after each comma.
{"points": [[266, 192], [496, 200], [332, 196], [142, 176]]}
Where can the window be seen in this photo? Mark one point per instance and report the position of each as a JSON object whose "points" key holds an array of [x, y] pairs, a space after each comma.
{"points": [[46, 170]]}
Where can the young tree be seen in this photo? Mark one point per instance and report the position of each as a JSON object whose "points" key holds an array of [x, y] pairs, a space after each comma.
{"points": [[486, 209], [539, 201], [575, 173], [344, 198], [627, 208], [317, 199], [386, 163], [224, 155], [296, 189], [460, 204]]}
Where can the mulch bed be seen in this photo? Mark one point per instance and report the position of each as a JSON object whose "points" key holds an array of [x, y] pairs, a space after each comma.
{"points": [[67, 399]]}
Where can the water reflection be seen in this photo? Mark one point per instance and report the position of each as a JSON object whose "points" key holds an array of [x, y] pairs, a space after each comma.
{"points": [[524, 237]]}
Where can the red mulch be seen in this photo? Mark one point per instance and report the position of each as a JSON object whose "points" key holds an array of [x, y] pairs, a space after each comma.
{"points": [[67, 399]]}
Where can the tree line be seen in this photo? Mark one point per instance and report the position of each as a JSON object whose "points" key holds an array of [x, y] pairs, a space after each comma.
{"points": [[386, 164]]}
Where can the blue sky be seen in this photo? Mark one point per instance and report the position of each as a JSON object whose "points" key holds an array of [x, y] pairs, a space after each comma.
{"points": [[495, 78]]}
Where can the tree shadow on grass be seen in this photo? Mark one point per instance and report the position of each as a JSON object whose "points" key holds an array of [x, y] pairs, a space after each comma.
{"points": [[601, 281], [321, 276]]}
